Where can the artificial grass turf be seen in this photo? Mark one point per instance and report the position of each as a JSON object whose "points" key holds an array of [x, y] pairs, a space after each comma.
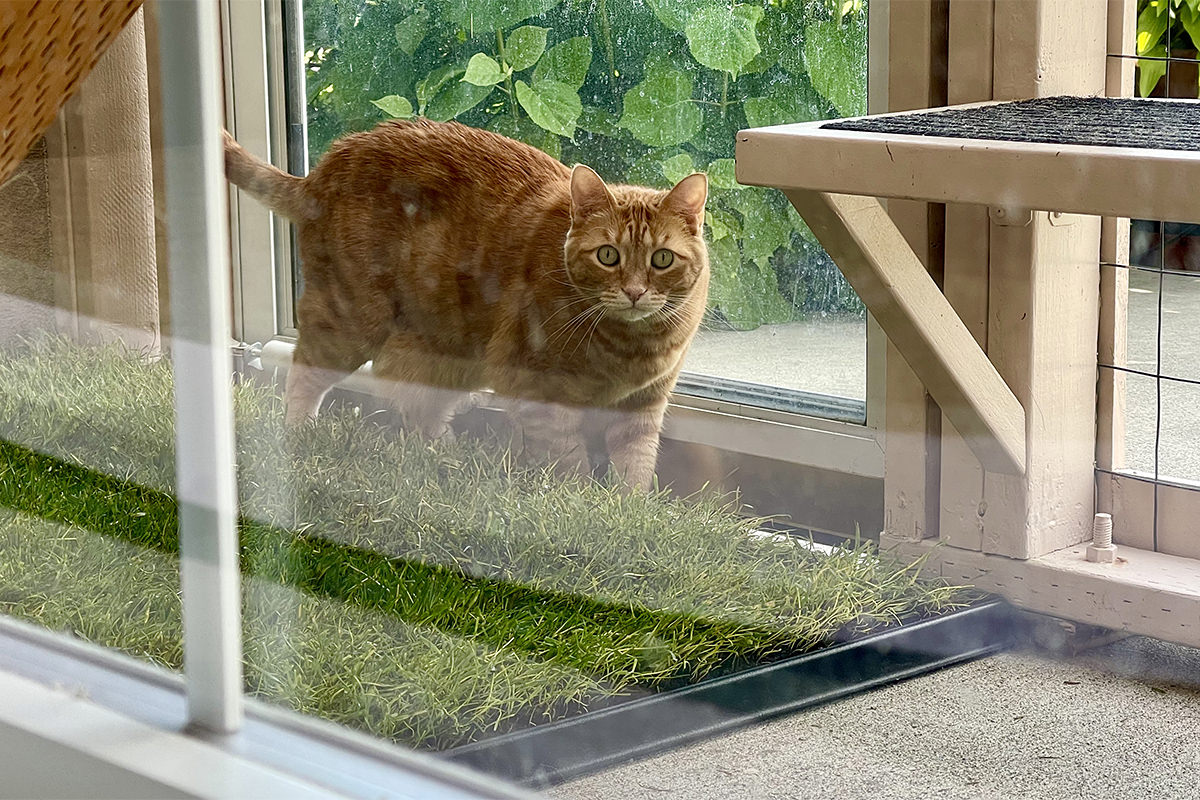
{"points": [[448, 539]]}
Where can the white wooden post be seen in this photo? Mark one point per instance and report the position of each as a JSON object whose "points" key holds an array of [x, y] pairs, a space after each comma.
{"points": [[1044, 297], [1114, 291], [917, 318]]}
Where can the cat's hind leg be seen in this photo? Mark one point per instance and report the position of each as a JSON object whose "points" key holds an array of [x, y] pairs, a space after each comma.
{"points": [[427, 389], [313, 373]]}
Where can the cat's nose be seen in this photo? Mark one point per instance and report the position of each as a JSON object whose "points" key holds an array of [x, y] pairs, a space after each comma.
{"points": [[634, 293]]}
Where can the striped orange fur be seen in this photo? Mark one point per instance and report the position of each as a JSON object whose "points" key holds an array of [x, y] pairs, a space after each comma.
{"points": [[456, 259]]}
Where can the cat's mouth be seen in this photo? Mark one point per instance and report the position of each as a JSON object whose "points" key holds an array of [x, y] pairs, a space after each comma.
{"points": [[630, 313]]}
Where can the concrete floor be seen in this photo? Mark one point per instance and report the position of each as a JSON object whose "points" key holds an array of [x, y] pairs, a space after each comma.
{"points": [[1119, 722]]}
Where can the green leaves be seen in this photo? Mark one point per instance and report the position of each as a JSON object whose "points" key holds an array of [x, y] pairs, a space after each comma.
{"points": [[659, 111], [1188, 15], [442, 98], [744, 285], [780, 109], [1158, 38], [552, 105], [829, 49], [675, 13], [600, 122], [647, 91], [524, 130], [724, 38], [394, 106], [744, 292], [475, 16], [762, 111], [720, 174], [678, 167], [482, 70], [567, 62], [765, 224], [721, 223], [411, 30], [1152, 25], [457, 99], [525, 46]]}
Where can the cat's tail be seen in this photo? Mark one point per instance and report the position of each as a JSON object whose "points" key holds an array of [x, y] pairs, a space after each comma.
{"points": [[282, 193]]}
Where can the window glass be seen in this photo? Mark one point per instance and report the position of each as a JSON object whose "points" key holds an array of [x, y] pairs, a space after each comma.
{"points": [[528, 581], [646, 93], [475, 573], [88, 545]]}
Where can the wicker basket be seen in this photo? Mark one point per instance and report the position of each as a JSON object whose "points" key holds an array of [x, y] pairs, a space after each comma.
{"points": [[46, 50]]}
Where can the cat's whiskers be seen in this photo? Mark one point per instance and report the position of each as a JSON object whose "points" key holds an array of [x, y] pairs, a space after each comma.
{"points": [[576, 322], [673, 311], [587, 337], [553, 279], [566, 306]]}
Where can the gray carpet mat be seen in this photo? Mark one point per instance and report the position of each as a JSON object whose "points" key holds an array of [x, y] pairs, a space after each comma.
{"points": [[1113, 122]]}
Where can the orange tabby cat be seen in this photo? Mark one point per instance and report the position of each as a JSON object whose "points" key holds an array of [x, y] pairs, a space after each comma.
{"points": [[456, 259]]}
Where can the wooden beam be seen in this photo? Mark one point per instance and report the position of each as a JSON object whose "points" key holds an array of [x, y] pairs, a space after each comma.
{"points": [[1077, 179], [1044, 308], [1145, 593], [890, 279]]}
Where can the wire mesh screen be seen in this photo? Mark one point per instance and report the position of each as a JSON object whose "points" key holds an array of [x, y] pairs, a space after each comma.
{"points": [[1160, 368]]}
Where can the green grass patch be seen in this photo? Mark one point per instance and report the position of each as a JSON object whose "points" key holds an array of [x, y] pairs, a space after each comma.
{"points": [[429, 593]]}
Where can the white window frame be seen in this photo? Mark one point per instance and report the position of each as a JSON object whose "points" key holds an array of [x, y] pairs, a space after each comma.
{"points": [[57, 692], [254, 56]]}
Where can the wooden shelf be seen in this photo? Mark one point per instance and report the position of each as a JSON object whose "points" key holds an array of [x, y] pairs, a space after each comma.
{"points": [[1084, 179]]}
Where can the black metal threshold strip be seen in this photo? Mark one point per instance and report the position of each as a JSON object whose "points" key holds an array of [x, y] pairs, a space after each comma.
{"points": [[557, 752]]}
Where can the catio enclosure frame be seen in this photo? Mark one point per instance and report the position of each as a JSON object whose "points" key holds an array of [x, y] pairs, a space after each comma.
{"points": [[994, 309]]}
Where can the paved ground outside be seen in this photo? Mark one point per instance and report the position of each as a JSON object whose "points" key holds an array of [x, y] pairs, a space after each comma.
{"points": [[828, 355], [823, 354]]}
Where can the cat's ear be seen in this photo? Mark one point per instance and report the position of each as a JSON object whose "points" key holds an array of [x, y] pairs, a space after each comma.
{"points": [[589, 195], [687, 199]]}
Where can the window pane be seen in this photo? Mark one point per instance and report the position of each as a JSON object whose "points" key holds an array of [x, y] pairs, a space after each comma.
{"points": [[644, 93], [1142, 325], [1180, 339], [468, 544], [87, 452]]}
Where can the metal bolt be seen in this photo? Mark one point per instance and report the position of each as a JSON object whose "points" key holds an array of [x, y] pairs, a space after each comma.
{"points": [[1102, 550]]}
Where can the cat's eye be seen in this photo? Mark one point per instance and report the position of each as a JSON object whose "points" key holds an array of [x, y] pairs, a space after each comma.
{"points": [[662, 259], [608, 255]]}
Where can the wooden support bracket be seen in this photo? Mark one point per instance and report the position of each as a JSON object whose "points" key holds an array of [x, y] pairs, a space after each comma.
{"points": [[877, 261]]}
